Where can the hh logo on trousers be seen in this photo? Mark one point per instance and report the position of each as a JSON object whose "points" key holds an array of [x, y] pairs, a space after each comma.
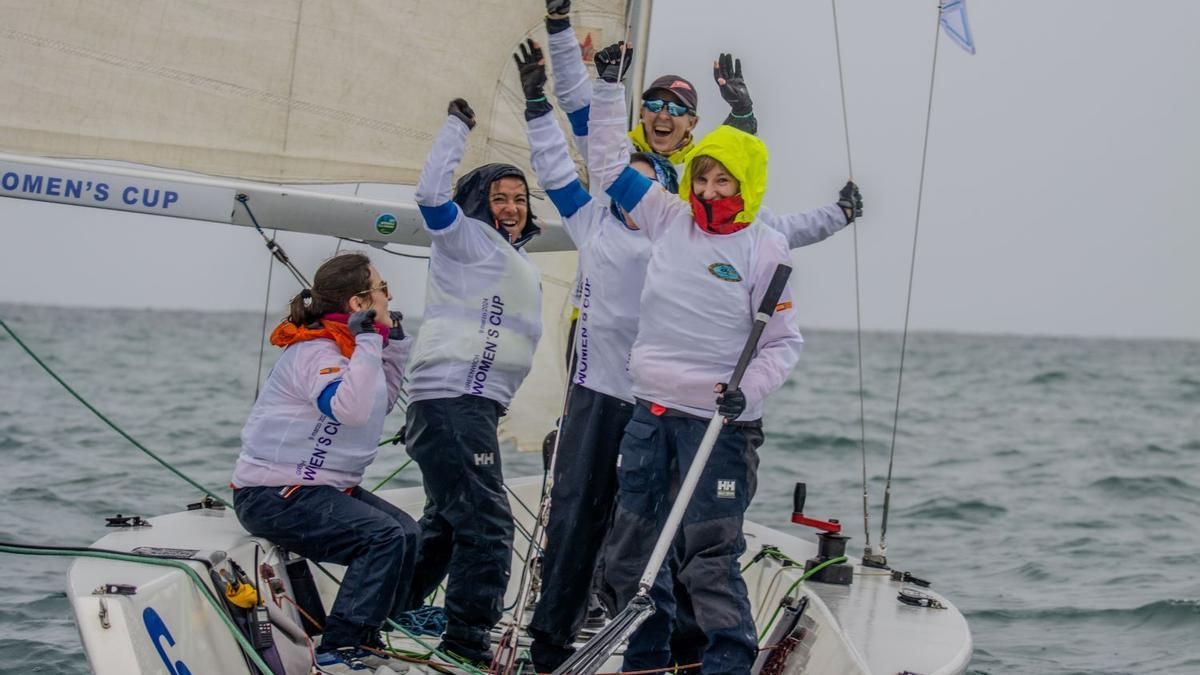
{"points": [[727, 489], [485, 458]]}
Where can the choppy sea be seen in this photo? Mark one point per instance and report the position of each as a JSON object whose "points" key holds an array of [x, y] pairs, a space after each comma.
{"points": [[1049, 486]]}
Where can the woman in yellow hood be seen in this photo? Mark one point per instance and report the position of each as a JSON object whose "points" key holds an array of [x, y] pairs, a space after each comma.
{"points": [[724, 180], [710, 264]]}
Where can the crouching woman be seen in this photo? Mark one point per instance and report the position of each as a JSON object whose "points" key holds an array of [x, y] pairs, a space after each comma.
{"points": [[313, 431]]}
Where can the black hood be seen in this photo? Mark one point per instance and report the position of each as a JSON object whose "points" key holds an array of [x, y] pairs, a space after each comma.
{"points": [[471, 195]]}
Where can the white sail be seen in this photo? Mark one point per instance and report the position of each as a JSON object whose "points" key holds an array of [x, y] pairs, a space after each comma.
{"points": [[284, 91]]}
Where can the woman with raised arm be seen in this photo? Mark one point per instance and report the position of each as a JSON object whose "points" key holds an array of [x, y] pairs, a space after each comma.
{"points": [[482, 323], [668, 117], [710, 265], [312, 432], [612, 268]]}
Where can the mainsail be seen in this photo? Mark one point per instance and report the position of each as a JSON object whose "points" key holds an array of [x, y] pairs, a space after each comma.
{"points": [[283, 92]]}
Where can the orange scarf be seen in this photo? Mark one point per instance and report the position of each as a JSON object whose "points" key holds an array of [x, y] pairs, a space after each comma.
{"points": [[288, 333]]}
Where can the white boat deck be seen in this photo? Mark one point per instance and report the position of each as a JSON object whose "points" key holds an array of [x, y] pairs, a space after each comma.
{"points": [[861, 628]]}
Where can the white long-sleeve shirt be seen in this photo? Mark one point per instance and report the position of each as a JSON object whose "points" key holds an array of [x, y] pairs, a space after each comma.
{"points": [[694, 321], [288, 440], [612, 266], [483, 298]]}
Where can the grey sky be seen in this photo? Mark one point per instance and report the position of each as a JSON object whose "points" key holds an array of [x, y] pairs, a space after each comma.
{"points": [[1061, 161]]}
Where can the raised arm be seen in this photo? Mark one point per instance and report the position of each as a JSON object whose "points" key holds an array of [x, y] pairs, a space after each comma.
{"points": [[727, 71], [442, 216], [608, 159], [572, 86], [548, 148], [437, 176]]}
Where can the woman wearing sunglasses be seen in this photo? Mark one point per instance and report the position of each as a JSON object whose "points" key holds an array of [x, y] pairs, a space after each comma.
{"points": [[482, 323], [312, 432], [669, 116]]}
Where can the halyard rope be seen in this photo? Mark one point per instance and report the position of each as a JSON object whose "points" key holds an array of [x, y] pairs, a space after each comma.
{"points": [[887, 494]]}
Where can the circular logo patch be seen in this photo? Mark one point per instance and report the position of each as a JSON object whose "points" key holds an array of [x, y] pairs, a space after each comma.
{"points": [[724, 272], [386, 223]]}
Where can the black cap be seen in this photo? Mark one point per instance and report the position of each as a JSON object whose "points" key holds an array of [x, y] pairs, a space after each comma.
{"points": [[678, 86]]}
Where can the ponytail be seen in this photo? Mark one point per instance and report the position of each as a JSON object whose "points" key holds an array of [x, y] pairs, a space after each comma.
{"points": [[337, 280]]}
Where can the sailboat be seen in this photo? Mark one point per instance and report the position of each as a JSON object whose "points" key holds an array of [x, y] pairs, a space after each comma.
{"points": [[218, 111]]}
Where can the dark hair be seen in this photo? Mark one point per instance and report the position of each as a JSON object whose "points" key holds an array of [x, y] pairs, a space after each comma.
{"points": [[642, 157], [337, 280]]}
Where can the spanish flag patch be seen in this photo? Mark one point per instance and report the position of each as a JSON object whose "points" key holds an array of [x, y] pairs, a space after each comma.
{"points": [[330, 371], [783, 305]]}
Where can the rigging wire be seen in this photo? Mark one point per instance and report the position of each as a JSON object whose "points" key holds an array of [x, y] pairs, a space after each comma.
{"points": [[862, 407], [912, 265], [262, 340], [273, 246]]}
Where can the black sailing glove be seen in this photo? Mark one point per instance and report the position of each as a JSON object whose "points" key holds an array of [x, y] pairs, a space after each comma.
{"points": [[362, 322], [730, 403], [727, 72], [850, 199], [558, 16], [396, 332], [462, 110], [532, 67], [613, 61]]}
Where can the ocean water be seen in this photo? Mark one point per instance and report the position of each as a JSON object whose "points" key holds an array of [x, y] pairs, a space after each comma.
{"points": [[1050, 487]]}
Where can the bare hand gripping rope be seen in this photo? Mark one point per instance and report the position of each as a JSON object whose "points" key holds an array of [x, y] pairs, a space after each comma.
{"points": [[592, 656]]}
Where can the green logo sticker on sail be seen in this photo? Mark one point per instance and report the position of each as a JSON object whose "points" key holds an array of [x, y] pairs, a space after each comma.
{"points": [[724, 272], [386, 223]]}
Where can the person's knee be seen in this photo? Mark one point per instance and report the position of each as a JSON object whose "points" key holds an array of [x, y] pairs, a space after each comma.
{"points": [[388, 537], [410, 528]]}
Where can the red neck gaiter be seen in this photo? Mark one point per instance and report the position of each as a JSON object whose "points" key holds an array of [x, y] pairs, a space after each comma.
{"points": [[716, 216]]}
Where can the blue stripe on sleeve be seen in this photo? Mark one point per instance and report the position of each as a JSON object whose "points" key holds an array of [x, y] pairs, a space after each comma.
{"points": [[569, 198], [439, 217], [325, 400], [629, 188], [579, 120]]}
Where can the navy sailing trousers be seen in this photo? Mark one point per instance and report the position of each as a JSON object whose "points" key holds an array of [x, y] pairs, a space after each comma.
{"points": [[656, 452], [581, 503], [374, 539], [467, 527]]}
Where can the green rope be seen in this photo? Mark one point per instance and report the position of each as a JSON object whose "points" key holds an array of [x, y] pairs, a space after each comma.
{"points": [[809, 573], [184, 567], [392, 475], [109, 422], [393, 440]]}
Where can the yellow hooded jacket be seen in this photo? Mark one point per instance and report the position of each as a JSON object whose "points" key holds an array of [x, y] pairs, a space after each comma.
{"points": [[638, 136], [744, 156]]}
